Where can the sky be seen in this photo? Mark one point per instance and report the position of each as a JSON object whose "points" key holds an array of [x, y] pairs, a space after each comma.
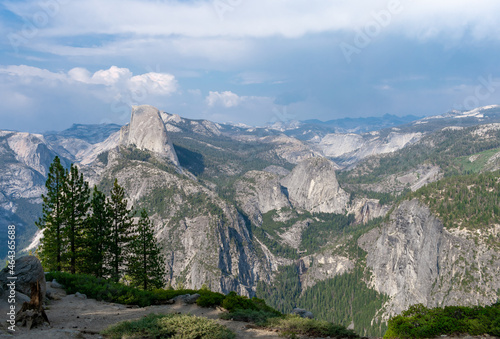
{"points": [[244, 61]]}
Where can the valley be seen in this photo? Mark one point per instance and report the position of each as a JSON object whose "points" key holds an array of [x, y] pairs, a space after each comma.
{"points": [[353, 225]]}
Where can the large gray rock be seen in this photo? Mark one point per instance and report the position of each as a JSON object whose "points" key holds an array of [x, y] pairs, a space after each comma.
{"points": [[313, 185], [28, 270], [147, 131], [414, 259]]}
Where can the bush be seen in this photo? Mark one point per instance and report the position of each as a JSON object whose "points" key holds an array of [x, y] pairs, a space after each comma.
{"points": [[233, 301], [209, 299], [258, 317], [293, 324], [102, 289], [421, 322], [169, 326]]}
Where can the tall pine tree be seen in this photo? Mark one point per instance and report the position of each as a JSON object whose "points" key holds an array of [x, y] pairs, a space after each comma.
{"points": [[76, 209], [97, 237], [121, 231], [147, 265], [52, 220]]}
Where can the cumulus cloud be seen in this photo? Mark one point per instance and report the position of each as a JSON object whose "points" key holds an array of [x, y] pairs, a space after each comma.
{"points": [[115, 79], [225, 99], [106, 94]]}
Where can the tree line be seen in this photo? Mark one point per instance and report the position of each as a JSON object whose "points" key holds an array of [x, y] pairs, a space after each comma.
{"points": [[86, 232]]}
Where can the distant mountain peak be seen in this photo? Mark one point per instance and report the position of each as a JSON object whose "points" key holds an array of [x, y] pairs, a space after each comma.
{"points": [[147, 131]]}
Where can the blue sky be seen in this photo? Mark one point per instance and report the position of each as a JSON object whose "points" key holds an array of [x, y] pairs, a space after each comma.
{"points": [[249, 61]]}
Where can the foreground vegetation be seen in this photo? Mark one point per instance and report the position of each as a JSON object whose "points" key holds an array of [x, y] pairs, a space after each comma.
{"points": [[421, 322], [170, 326], [238, 308], [87, 232]]}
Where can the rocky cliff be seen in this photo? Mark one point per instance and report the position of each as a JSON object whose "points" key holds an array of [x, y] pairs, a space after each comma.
{"points": [[147, 131], [414, 259], [312, 185], [205, 240], [259, 192]]}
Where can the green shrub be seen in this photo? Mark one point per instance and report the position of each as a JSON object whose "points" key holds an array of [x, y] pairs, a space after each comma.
{"points": [[233, 301], [102, 289], [258, 317], [421, 322], [169, 326], [292, 325], [209, 299]]}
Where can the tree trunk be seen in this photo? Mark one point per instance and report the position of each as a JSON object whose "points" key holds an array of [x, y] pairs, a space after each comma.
{"points": [[32, 314]]}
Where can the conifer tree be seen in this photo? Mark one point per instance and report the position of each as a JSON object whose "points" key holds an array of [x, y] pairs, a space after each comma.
{"points": [[147, 265], [97, 237], [121, 230], [76, 209], [52, 220]]}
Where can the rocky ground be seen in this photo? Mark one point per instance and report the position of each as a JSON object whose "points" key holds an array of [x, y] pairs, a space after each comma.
{"points": [[76, 317]]}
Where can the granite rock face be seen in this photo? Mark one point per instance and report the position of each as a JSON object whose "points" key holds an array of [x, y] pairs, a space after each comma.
{"points": [[313, 185], [147, 131], [260, 192], [204, 239], [414, 259]]}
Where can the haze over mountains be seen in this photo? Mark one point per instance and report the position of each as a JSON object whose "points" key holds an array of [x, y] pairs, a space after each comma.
{"points": [[308, 204]]}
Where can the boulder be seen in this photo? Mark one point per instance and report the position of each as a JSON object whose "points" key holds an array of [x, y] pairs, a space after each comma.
{"points": [[55, 284], [191, 299], [186, 298], [80, 296], [27, 270], [303, 313]]}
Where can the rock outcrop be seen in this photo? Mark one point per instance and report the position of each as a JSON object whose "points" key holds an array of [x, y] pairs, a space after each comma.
{"points": [[147, 131], [28, 270], [204, 239], [414, 259], [312, 185], [260, 192], [351, 148]]}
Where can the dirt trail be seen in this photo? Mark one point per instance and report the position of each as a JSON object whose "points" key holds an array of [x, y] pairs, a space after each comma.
{"points": [[73, 317]]}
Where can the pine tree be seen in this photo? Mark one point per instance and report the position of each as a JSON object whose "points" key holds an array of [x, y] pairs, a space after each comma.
{"points": [[52, 220], [121, 230], [147, 265], [97, 237], [76, 209]]}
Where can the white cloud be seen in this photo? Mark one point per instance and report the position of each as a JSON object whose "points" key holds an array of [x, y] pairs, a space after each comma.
{"points": [[105, 94], [257, 18], [115, 79], [27, 73], [111, 76], [156, 83], [226, 99]]}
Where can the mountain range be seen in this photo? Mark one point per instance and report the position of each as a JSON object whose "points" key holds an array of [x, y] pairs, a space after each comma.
{"points": [[354, 220]]}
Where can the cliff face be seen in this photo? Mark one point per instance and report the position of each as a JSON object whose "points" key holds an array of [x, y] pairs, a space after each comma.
{"points": [[260, 192], [24, 163], [414, 259], [147, 131], [312, 185], [204, 239]]}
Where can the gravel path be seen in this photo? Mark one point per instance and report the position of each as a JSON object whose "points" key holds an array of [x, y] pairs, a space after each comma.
{"points": [[73, 317]]}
